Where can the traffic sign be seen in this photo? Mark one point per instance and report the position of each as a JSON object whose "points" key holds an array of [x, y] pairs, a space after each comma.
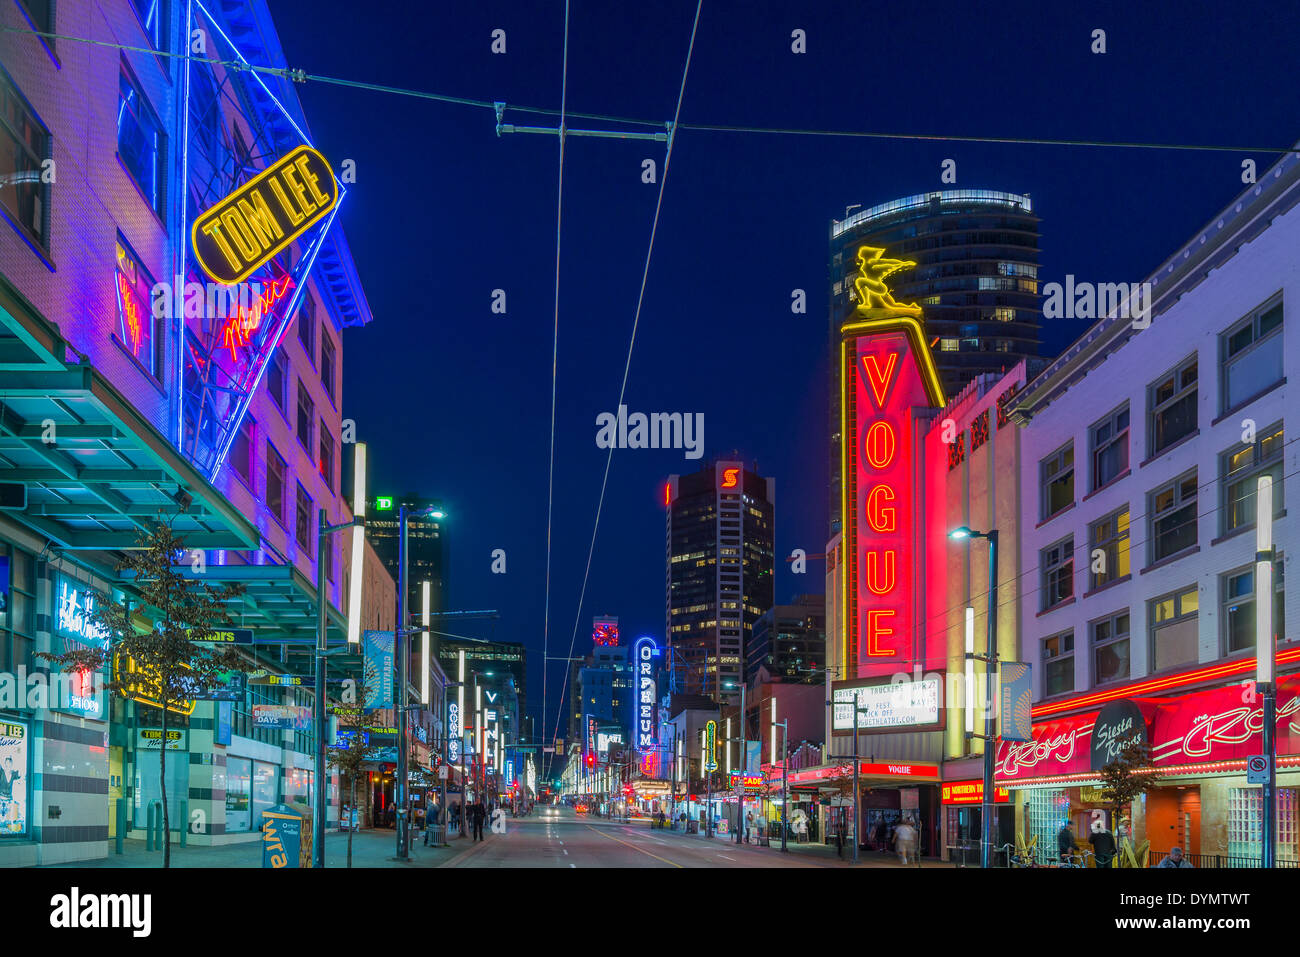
{"points": [[1257, 768]]}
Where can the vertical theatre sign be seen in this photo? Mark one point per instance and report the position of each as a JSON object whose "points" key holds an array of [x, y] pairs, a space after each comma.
{"points": [[643, 654], [886, 371]]}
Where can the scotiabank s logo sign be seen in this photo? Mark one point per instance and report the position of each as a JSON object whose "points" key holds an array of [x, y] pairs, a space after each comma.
{"points": [[730, 478]]}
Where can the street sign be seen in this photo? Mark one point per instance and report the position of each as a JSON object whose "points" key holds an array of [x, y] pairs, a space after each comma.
{"points": [[228, 636], [1257, 768], [283, 681]]}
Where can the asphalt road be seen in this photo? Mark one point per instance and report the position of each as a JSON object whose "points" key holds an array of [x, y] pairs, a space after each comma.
{"points": [[558, 837]]}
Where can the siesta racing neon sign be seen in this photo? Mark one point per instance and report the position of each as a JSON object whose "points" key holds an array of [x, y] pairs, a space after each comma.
{"points": [[886, 372]]}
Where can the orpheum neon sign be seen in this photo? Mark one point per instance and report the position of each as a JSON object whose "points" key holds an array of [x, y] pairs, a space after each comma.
{"points": [[886, 370], [643, 655]]}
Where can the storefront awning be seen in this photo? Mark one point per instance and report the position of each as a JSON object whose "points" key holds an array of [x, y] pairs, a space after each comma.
{"points": [[97, 472]]}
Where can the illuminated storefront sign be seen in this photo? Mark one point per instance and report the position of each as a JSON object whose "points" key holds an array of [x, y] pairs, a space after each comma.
{"points": [[491, 730], [907, 704], [711, 746], [238, 328], [76, 607], [728, 477], [880, 388], [288, 716], [247, 228], [141, 683], [530, 775], [14, 778], [643, 654], [752, 781], [970, 792], [454, 732], [77, 692]]}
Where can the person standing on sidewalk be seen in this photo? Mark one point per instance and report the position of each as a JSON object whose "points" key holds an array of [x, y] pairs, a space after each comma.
{"points": [[904, 839], [839, 837], [476, 815]]}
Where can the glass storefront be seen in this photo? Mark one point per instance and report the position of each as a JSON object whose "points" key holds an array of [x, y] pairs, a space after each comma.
{"points": [[238, 808], [264, 789], [148, 787]]}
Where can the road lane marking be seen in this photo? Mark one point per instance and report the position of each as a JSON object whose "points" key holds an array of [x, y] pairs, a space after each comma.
{"points": [[571, 864], [720, 854], [566, 853], [635, 848]]}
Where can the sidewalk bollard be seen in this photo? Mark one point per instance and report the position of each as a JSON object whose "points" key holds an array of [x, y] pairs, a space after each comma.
{"points": [[121, 823], [148, 833], [185, 818]]}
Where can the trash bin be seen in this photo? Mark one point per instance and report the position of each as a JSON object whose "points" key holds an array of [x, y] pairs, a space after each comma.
{"points": [[287, 836]]}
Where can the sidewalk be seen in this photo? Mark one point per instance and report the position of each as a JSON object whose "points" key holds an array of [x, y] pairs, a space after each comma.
{"points": [[822, 852], [370, 848]]}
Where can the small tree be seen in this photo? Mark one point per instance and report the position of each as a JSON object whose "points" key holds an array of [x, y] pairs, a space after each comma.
{"points": [[170, 664], [1127, 777], [350, 757]]}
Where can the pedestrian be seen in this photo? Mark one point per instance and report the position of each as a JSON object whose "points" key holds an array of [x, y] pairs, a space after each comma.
{"points": [[839, 837], [431, 821], [878, 838], [905, 841], [476, 815], [749, 824], [1175, 859], [1065, 842], [1103, 845]]}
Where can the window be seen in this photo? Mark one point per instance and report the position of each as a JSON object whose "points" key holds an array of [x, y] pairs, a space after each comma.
{"points": [[1058, 664], [275, 378], [302, 523], [24, 147], [138, 331], [18, 614], [1109, 439], [947, 345], [1173, 629], [1057, 564], [1110, 661], [1246, 825], [1173, 517], [1056, 481], [306, 412], [241, 451], [327, 363], [1252, 355], [1108, 551], [41, 13], [326, 463], [1238, 590], [1172, 401], [275, 483], [307, 326], [1241, 468], [140, 142], [153, 18], [979, 430]]}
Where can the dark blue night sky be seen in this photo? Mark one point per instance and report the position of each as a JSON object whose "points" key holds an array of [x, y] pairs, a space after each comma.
{"points": [[455, 401]]}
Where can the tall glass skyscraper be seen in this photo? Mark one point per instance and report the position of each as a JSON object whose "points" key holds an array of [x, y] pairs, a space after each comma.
{"points": [[976, 277]]}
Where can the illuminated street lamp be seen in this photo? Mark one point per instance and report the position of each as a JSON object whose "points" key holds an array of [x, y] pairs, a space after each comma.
{"points": [[1265, 656], [990, 658]]}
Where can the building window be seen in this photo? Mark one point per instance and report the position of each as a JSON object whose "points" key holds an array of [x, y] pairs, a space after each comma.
{"points": [[1058, 664], [326, 463], [957, 451], [41, 13], [1110, 660], [947, 345], [275, 378], [1057, 564], [24, 148], [1173, 629], [307, 326], [1238, 590], [275, 483], [18, 616], [1004, 403], [979, 430], [1240, 470], [241, 451], [302, 523], [1252, 355], [306, 412], [1109, 439], [1173, 517], [140, 142], [153, 18], [1108, 548], [1246, 825], [1056, 481], [138, 331], [327, 363], [1172, 401]]}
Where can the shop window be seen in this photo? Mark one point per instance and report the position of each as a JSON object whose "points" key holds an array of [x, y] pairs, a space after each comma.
{"points": [[1109, 439], [1173, 517], [275, 470], [17, 610], [1108, 548], [241, 451], [1240, 469], [138, 332], [24, 150], [141, 145], [1174, 623], [1056, 481], [1239, 601], [1047, 810], [275, 378], [1110, 648], [1251, 353], [1058, 664], [1246, 826], [302, 523], [1057, 564], [306, 412], [1172, 401]]}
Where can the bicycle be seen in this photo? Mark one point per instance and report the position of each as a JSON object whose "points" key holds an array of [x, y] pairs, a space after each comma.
{"points": [[1076, 858], [1017, 860]]}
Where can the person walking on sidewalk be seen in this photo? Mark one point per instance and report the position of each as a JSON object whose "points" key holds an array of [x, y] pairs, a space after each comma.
{"points": [[839, 838], [749, 825], [476, 815], [905, 840]]}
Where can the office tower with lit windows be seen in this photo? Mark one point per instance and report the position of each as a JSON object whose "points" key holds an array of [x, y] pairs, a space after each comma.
{"points": [[720, 552], [426, 545], [976, 277]]}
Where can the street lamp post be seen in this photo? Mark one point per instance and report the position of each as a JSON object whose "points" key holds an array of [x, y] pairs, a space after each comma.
{"points": [[785, 767], [742, 765], [1265, 657], [990, 659]]}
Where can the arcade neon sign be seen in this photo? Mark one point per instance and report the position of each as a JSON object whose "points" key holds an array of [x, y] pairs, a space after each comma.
{"points": [[879, 388]]}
